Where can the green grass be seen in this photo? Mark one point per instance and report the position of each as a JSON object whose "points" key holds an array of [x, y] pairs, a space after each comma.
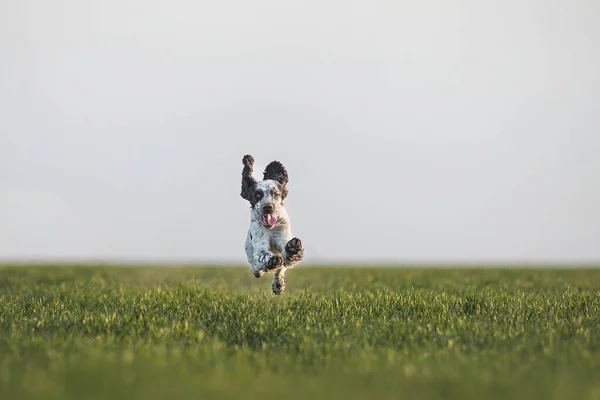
{"points": [[154, 333]]}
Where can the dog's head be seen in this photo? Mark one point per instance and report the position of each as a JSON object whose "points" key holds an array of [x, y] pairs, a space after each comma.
{"points": [[265, 197]]}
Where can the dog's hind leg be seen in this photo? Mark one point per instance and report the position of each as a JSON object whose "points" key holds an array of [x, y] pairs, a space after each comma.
{"points": [[278, 285]]}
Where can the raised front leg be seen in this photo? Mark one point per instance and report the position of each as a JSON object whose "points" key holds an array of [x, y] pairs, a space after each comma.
{"points": [[294, 252], [265, 260], [290, 247]]}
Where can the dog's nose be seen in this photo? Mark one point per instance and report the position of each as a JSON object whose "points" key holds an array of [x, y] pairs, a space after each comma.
{"points": [[268, 209]]}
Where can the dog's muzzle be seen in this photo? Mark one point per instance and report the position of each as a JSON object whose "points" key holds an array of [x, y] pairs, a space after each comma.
{"points": [[268, 219]]}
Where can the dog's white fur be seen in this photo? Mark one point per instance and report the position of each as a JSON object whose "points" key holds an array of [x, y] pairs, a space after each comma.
{"points": [[269, 246]]}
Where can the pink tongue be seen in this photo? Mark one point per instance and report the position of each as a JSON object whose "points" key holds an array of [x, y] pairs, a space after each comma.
{"points": [[271, 220]]}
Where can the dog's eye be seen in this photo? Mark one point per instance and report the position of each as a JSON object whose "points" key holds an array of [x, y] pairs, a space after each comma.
{"points": [[275, 194], [258, 195]]}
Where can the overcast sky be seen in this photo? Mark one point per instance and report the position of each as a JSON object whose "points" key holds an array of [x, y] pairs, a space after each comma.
{"points": [[412, 130]]}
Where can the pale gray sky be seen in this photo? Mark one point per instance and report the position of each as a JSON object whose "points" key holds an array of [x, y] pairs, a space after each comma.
{"points": [[412, 130]]}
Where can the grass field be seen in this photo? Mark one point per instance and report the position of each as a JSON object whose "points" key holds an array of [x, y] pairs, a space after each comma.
{"points": [[202, 333]]}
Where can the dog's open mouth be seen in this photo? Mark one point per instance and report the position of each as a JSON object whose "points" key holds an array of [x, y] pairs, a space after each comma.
{"points": [[269, 220]]}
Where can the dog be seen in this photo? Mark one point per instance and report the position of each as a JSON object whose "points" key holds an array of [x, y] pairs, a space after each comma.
{"points": [[270, 245]]}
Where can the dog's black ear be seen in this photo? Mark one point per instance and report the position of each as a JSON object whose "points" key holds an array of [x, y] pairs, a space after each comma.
{"points": [[248, 182], [277, 172]]}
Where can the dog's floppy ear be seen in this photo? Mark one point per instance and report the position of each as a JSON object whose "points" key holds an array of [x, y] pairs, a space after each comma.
{"points": [[248, 181], [277, 172]]}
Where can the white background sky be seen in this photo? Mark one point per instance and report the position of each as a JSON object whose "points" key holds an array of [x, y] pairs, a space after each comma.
{"points": [[412, 130]]}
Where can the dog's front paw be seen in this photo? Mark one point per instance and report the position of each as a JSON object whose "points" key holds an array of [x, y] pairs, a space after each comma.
{"points": [[274, 262], [294, 250], [294, 246]]}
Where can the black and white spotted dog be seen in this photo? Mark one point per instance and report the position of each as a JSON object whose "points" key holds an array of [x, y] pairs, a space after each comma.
{"points": [[269, 242]]}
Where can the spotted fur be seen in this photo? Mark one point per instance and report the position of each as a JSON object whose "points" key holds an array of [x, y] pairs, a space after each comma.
{"points": [[270, 245], [276, 171]]}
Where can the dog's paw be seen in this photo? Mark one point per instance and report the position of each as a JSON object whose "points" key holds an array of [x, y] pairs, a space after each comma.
{"points": [[274, 262], [294, 246], [248, 160], [294, 250], [259, 273], [278, 285]]}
